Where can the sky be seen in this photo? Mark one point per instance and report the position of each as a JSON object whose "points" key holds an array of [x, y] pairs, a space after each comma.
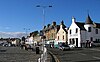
{"points": [[15, 15]]}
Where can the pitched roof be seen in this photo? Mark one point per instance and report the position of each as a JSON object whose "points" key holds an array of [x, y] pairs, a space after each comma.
{"points": [[66, 30], [88, 20], [62, 23], [97, 25], [63, 26], [80, 25]]}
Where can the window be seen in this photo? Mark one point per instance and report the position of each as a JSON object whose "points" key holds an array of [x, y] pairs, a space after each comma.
{"points": [[70, 41], [96, 31], [52, 35], [89, 29], [91, 39], [58, 37], [63, 37], [70, 31], [76, 30], [96, 40], [73, 41]]}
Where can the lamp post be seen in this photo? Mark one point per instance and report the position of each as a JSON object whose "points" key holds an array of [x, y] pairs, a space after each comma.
{"points": [[43, 9], [43, 35], [26, 29]]}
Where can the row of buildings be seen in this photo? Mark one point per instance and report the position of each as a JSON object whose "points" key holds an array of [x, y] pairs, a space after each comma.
{"points": [[77, 33]]}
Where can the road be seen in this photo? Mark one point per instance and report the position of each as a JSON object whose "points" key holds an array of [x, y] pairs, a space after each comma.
{"points": [[77, 55], [15, 54]]}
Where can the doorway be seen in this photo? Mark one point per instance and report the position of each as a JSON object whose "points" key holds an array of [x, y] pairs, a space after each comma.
{"points": [[76, 42]]}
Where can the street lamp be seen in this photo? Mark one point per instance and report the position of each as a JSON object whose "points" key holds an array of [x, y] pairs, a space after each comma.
{"points": [[43, 9], [43, 35], [26, 29]]}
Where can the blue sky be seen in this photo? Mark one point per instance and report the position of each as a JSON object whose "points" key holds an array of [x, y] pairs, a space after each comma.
{"points": [[15, 15]]}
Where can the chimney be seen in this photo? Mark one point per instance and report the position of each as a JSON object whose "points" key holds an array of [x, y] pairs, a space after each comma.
{"points": [[54, 23], [73, 19]]}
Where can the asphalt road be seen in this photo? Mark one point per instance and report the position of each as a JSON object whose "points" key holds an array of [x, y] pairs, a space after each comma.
{"points": [[15, 54], [77, 55]]}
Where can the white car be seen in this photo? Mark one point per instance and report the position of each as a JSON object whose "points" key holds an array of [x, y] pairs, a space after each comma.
{"points": [[72, 46]]}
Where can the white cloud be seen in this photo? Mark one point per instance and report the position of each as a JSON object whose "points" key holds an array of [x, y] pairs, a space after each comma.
{"points": [[12, 34]]}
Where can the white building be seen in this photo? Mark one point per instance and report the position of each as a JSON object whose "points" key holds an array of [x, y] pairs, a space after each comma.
{"points": [[81, 33], [62, 33], [29, 40]]}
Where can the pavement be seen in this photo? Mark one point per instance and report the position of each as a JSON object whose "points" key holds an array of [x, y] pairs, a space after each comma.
{"points": [[16, 54]]}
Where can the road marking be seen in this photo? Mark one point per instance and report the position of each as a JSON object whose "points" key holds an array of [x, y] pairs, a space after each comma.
{"points": [[96, 57], [82, 54]]}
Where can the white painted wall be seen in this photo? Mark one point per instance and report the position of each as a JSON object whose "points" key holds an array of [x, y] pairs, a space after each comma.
{"points": [[96, 36], [92, 33], [82, 35], [73, 33], [61, 33], [89, 34]]}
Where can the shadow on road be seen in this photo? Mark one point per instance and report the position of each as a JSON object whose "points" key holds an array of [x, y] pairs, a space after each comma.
{"points": [[3, 50]]}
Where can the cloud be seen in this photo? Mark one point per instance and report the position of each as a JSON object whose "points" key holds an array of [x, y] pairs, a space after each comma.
{"points": [[12, 34]]}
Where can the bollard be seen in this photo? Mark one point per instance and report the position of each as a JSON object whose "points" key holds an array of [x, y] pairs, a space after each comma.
{"points": [[37, 50]]}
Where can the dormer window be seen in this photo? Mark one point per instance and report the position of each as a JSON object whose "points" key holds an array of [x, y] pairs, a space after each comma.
{"points": [[89, 29]]}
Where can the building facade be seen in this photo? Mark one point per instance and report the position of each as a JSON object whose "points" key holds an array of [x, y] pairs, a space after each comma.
{"points": [[62, 34], [50, 31], [80, 33]]}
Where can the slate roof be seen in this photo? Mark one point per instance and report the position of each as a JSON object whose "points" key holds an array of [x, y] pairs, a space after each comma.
{"points": [[62, 23], [97, 25], [80, 25], [65, 30], [88, 20], [63, 26]]}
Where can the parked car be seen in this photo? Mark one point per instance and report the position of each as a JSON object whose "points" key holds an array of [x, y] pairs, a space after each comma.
{"points": [[64, 47], [72, 46], [6, 44], [1, 44], [56, 46], [28, 46], [95, 44]]}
